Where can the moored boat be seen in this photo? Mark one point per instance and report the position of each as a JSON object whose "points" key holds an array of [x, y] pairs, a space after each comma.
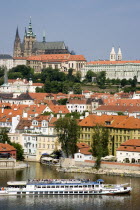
{"points": [[63, 186]]}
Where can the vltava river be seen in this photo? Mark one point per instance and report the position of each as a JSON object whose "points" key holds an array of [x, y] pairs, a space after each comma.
{"points": [[70, 202]]}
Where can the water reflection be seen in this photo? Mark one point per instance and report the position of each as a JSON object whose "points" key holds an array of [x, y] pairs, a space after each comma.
{"points": [[70, 202], [65, 202]]}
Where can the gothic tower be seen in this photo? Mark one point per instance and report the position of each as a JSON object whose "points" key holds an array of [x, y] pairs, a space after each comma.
{"points": [[112, 55], [119, 55], [29, 39], [17, 45]]}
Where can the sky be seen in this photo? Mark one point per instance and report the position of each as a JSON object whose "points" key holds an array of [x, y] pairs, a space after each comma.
{"points": [[89, 27]]}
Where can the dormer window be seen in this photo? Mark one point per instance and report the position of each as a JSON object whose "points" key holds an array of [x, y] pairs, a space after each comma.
{"points": [[107, 122], [34, 122]]}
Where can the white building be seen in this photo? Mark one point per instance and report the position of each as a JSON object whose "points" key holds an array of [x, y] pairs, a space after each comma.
{"points": [[129, 151], [20, 86], [56, 61], [115, 68], [83, 152], [6, 61]]}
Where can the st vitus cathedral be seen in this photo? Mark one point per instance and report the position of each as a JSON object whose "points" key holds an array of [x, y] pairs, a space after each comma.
{"points": [[30, 46]]}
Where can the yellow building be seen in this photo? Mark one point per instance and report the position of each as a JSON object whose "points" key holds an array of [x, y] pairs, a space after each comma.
{"points": [[46, 144], [121, 128]]}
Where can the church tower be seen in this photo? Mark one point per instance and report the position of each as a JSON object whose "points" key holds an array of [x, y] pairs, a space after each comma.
{"points": [[112, 55], [119, 55], [17, 45], [29, 39]]}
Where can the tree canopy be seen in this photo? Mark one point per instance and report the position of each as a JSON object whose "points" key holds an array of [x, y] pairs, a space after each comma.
{"points": [[5, 139], [67, 131], [100, 143]]}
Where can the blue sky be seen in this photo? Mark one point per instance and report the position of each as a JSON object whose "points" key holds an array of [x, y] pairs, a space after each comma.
{"points": [[89, 27]]}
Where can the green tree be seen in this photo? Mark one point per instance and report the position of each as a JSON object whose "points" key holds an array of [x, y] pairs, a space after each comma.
{"points": [[4, 137], [101, 79], [100, 143], [20, 151], [77, 88], [75, 115], [89, 75], [134, 82], [67, 131], [22, 71], [124, 82], [62, 101], [39, 90]]}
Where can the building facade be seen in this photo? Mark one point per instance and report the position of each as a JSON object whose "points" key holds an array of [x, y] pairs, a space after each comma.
{"points": [[6, 61], [121, 129]]}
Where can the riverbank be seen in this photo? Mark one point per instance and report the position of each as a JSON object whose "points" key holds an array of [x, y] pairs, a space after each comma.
{"points": [[68, 165], [89, 170], [12, 164]]}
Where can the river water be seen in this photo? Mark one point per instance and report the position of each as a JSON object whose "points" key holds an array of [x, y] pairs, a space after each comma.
{"points": [[70, 202]]}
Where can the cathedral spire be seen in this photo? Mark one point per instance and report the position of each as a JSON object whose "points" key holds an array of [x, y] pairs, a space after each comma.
{"points": [[112, 54], [17, 34], [119, 55], [30, 31], [44, 37], [25, 33]]}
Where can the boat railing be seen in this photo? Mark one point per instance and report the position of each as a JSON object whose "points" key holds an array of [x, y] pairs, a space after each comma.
{"points": [[57, 181]]}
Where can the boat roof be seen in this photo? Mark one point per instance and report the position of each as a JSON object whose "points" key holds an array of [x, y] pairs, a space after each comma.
{"points": [[17, 183]]}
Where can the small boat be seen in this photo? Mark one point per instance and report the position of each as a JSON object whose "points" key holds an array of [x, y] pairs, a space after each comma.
{"points": [[63, 186]]}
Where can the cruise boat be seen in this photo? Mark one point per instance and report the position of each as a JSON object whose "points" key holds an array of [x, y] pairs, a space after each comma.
{"points": [[63, 186]]}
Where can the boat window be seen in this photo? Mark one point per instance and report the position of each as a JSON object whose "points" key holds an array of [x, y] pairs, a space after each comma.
{"points": [[76, 192], [61, 192], [80, 186], [76, 186], [53, 186], [41, 192], [85, 191], [66, 191], [57, 186], [71, 186], [51, 192], [70, 191], [38, 186], [62, 186], [48, 186], [85, 186], [89, 185], [36, 192], [66, 186], [80, 191], [31, 192], [56, 192], [97, 185], [18, 193], [92, 185]]}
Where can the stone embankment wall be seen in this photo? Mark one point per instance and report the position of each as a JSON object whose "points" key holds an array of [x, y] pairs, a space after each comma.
{"points": [[109, 168]]}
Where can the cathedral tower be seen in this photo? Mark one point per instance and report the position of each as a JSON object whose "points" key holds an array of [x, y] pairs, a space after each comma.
{"points": [[29, 39], [112, 55], [17, 45], [119, 55]]}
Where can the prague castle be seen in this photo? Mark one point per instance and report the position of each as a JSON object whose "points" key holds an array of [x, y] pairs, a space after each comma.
{"points": [[30, 46]]}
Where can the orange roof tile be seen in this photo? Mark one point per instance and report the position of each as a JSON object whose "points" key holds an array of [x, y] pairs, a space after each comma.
{"points": [[131, 145], [6, 147], [107, 62]]}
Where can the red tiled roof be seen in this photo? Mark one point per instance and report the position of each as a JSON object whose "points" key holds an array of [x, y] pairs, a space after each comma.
{"points": [[131, 145], [6, 147], [114, 121], [120, 108], [57, 57], [107, 62]]}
